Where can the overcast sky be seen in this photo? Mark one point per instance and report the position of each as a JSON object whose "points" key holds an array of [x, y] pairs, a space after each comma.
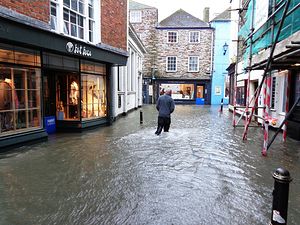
{"points": [[194, 7]]}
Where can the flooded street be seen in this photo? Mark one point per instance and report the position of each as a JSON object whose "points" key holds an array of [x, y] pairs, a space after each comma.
{"points": [[199, 173]]}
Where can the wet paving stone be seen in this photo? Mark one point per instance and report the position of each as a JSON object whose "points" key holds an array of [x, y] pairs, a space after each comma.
{"points": [[201, 172]]}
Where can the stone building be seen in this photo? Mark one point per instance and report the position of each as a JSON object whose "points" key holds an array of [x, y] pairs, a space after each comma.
{"points": [[144, 20], [180, 54], [184, 57], [56, 65]]}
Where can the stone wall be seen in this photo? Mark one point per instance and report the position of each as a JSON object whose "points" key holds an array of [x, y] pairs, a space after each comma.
{"points": [[148, 34], [182, 50]]}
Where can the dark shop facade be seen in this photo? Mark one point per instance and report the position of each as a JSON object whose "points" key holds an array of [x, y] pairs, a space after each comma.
{"points": [[49, 82]]}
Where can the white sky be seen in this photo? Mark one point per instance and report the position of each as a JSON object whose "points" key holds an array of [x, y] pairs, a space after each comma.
{"points": [[194, 7]]}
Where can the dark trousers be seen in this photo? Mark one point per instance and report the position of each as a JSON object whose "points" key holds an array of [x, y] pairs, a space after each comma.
{"points": [[163, 123]]}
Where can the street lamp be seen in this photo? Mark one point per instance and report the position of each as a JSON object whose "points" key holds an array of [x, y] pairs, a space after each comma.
{"points": [[225, 48], [154, 70]]}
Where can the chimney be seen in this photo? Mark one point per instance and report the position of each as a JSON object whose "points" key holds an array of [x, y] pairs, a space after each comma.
{"points": [[206, 14]]}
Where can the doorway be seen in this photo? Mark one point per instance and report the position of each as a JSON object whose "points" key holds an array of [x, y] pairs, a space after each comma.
{"points": [[200, 91], [61, 95]]}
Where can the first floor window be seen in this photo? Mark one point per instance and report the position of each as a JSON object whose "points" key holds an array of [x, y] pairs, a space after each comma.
{"points": [[193, 64], [75, 18], [171, 64], [172, 37], [135, 17], [73, 24], [194, 37], [53, 17]]}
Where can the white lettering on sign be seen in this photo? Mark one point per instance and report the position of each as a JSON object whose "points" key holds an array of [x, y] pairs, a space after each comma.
{"points": [[51, 122], [78, 49]]}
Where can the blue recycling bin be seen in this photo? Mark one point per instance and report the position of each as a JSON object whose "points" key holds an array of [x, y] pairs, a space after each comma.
{"points": [[199, 101], [50, 124]]}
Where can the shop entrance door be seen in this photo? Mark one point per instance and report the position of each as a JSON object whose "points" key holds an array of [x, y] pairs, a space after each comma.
{"points": [[200, 91], [49, 94], [61, 95]]}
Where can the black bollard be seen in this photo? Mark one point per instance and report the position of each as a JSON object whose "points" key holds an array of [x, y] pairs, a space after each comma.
{"points": [[141, 117], [221, 110], [280, 196]]}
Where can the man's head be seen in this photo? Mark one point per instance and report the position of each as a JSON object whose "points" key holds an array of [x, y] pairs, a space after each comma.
{"points": [[168, 92]]}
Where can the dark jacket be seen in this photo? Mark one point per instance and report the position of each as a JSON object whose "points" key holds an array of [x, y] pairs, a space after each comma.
{"points": [[165, 105]]}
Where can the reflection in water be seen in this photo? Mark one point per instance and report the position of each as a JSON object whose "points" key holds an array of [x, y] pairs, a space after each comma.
{"points": [[198, 173]]}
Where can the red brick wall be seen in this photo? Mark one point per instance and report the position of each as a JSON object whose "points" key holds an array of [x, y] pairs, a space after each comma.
{"points": [[37, 9], [114, 23]]}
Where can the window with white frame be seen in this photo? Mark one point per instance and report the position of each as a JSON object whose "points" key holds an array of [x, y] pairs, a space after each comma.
{"points": [[91, 19], [193, 64], [194, 37], [171, 64], [172, 37], [135, 16], [75, 18], [53, 14]]}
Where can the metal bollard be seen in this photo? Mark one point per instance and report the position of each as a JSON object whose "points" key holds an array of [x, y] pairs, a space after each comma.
{"points": [[280, 197], [221, 110], [141, 117]]}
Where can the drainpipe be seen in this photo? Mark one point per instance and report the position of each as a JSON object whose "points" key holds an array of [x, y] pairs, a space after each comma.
{"points": [[113, 93]]}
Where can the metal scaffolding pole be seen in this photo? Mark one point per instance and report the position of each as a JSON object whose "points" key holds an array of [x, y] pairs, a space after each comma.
{"points": [[266, 70]]}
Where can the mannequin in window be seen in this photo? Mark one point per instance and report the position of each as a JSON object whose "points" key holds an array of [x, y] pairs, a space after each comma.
{"points": [[73, 99], [6, 103], [74, 93]]}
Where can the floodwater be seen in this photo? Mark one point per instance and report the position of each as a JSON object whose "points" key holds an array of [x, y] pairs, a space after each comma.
{"points": [[201, 172]]}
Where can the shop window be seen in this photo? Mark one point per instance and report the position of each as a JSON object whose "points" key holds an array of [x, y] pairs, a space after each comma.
{"points": [[67, 96], [240, 96], [93, 93], [18, 55], [179, 91], [91, 67], [19, 99]]}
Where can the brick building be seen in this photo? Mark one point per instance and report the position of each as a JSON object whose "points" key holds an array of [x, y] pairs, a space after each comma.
{"points": [[180, 54], [56, 60]]}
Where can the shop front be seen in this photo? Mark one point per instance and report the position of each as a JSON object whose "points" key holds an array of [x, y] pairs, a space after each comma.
{"points": [[20, 93], [186, 91], [50, 80], [74, 92]]}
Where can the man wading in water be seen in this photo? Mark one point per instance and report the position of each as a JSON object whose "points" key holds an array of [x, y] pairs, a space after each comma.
{"points": [[165, 106]]}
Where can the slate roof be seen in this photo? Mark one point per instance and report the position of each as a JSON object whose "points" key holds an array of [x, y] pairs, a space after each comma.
{"points": [[181, 19], [137, 6], [224, 16]]}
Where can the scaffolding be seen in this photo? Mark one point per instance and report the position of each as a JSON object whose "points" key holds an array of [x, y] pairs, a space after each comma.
{"points": [[282, 22]]}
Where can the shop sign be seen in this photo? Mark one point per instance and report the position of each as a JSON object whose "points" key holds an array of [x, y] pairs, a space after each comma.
{"points": [[78, 49]]}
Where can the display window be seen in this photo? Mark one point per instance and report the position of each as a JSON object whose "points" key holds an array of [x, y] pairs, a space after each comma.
{"points": [[179, 91], [20, 90], [67, 96], [93, 89]]}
